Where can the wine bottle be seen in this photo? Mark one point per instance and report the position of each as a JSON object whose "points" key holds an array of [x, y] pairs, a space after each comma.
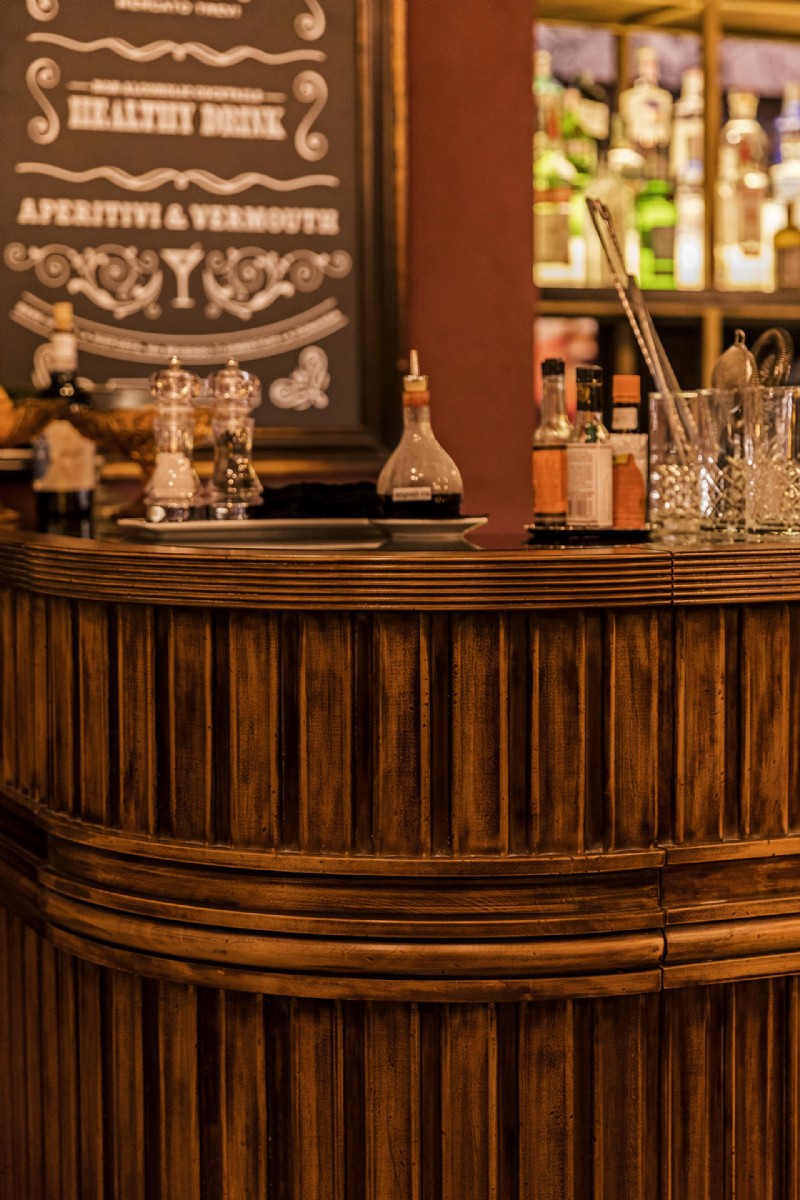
{"points": [[419, 480], [64, 463]]}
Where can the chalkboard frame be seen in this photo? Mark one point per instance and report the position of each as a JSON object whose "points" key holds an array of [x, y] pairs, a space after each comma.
{"points": [[299, 452]]}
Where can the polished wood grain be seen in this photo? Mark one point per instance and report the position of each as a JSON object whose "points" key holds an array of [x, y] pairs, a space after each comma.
{"points": [[468, 876]]}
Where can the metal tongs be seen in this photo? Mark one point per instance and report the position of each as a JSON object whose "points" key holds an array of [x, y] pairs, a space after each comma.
{"points": [[681, 422]]}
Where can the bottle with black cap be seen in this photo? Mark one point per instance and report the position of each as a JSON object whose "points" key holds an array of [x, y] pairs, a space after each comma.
{"points": [[64, 466], [550, 450], [590, 503]]}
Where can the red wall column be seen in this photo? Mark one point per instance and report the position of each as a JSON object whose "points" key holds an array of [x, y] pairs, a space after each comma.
{"points": [[471, 287]]}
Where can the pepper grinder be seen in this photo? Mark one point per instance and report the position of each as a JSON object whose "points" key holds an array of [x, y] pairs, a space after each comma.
{"points": [[234, 487], [171, 493]]}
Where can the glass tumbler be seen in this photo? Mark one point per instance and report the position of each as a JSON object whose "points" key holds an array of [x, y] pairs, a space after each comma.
{"points": [[772, 453], [697, 467]]}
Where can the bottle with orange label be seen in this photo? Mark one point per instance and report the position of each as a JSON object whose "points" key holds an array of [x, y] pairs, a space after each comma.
{"points": [[629, 449], [550, 450]]}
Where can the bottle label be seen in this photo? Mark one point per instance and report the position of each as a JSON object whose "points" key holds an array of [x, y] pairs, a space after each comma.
{"points": [[662, 242], [549, 482], [552, 236], [630, 480], [412, 493], [64, 460], [625, 419], [788, 267], [749, 216], [589, 486]]}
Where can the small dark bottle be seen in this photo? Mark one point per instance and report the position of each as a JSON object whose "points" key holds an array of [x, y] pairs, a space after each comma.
{"points": [[419, 480], [64, 465]]}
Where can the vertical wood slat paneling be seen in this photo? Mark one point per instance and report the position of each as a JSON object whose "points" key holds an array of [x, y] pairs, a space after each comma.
{"points": [[469, 1102], [125, 1085], [692, 1116], [8, 689], [93, 725], [624, 1095], [402, 796], [178, 1088], [184, 734], [39, 731], [792, 1088], [632, 721], [68, 1070], [280, 1084], [755, 1073], [25, 692], [700, 682], [325, 696], [479, 713], [245, 1106], [91, 1103], [31, 1033], [12, 1062], [547, 1080], [135, 703], [392, 1095], [558, 734], [317, 1138], [249, 690], [61, 705], [766, 732], [51, 1092]]}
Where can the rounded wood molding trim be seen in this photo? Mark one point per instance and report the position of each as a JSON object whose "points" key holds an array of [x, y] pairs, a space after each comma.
{"points": [[465, 579]]}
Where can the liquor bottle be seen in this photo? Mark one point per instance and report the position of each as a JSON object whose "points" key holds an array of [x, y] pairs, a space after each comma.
{"points": [[646, 109], [556, 238], [686, 151], [785, 174], [619, 196], [64, 464], [690, 229], [590, 502], [549, 97], [629, 449], [787, 253], [419, 480], [741, 261], [550, 449], [623, 158], [656, 219]]}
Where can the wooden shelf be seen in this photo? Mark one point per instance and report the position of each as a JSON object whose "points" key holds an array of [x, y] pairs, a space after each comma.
{"points": [[741, 306], [779, 19]]}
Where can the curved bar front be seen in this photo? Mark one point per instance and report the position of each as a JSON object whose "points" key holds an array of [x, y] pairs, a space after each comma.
{"points": [[399, 876]]}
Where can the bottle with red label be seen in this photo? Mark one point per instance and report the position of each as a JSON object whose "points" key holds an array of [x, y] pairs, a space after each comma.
{"points": [[550, 450]]}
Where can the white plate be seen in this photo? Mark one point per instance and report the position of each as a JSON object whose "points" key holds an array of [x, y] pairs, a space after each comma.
{"points": [[260, 530], [432, 530]]}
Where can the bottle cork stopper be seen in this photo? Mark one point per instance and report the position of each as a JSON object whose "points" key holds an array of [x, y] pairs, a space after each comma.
{"points": [[415, 386], [62, 317]]}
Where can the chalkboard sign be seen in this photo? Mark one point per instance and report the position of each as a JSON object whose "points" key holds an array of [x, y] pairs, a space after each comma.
{"points": [[207, 178]]}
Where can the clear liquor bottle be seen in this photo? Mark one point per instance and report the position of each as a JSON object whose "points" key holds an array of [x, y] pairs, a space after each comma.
{"points": [[690, 230], [550, 449], [419, 479], [785, 174], [590, 503], [787, 253], [687, 145], [65, 462], [741, 259], [646, 109]]}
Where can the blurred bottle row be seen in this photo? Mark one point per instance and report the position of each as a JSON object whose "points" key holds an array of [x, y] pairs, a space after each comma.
{"points": [[646, 162]]}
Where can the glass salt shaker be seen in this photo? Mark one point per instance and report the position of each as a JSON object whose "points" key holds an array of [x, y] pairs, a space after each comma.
{"points": [[172, 491], [234, 487]]}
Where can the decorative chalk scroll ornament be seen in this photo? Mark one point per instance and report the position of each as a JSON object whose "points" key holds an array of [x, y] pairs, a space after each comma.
{"points": [[306, 386]]}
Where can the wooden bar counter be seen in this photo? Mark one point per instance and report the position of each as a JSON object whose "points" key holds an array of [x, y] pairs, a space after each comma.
{"points": [[467, 875]]}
